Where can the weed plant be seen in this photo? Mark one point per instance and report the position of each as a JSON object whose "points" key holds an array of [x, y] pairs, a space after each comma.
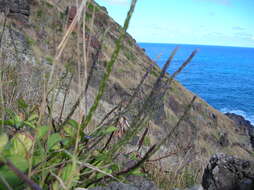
{"points": [[39, 152]]}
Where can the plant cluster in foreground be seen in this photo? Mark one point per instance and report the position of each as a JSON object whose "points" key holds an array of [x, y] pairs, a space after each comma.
{"points": [[39, 152]]}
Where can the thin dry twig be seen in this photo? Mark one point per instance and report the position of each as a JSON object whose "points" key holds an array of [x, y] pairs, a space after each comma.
{"points": [[123, 172], [142, 139], [169, 135], [87, 165], [59, 180], [170, 154]]}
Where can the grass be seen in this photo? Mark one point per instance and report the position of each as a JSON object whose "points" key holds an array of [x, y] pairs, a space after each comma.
{"points": [[31, 42], [43, 151], [128, 54], [180, 176], [49, 59]]}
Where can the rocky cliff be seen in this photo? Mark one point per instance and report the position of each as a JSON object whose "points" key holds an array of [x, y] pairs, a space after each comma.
{"points": [[29, 42]]}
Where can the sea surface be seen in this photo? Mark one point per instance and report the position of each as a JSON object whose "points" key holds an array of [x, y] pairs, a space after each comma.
{"points": [[222, 76]]}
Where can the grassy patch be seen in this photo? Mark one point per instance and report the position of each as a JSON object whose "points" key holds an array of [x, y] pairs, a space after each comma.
{"points": [[49, 60], [39, 13], [30, 41], [129, 55]]}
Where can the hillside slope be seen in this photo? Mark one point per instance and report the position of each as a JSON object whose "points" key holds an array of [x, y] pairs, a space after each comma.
{"points": [[29, 45]]}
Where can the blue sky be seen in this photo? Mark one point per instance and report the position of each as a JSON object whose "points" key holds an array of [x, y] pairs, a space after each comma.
{"points": [[208, 22]]}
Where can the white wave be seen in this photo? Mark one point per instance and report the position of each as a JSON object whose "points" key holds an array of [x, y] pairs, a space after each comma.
{"points": [[247, 116]]}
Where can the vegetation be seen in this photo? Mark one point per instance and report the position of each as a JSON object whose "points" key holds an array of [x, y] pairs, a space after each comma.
{"points": [[40, 152]]}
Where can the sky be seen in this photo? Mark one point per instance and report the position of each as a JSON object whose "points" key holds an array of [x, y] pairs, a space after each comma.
{"points": [[207, 22]]}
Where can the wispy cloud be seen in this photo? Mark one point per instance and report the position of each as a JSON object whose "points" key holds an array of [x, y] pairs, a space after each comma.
{"points": [[244, 36], [238, 28], [118, 2], [222, 2]]}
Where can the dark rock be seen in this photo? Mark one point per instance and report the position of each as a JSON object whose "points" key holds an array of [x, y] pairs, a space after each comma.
{"points": [[195, 187], [142, 183], [213, 116], [137, 183], [223, 141], [104, 9], [240, 121], [228, 173], [251, 134], [244, 126], [116, 186], [18, 9]]}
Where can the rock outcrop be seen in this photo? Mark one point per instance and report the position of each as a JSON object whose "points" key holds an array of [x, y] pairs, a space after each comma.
{"points": [[241, 122], [243, 126], [18, 9], [228, 173]]}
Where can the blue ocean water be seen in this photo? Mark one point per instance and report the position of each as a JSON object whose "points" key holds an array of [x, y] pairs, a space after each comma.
{"points": [[222, 76]]}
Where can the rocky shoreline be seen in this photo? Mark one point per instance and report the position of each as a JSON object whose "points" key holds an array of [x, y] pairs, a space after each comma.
{"points": [[244, 126]]}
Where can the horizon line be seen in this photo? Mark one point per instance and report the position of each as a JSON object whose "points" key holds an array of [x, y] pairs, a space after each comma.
{"points": [[198, 44]]}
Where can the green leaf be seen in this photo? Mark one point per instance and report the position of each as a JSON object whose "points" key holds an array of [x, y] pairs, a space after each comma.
{"points": [[110, 130], [73, 123], [19, 145], [33, 117], [106, 131], [42, 131], [133, 156], [69, 175], [17, 121], [53, 140], [136, 172], [12, 179], [71, 128], [67, 141], [29, 124], [3, 141], [101, 156], [115, 168], [7, 122], [22, 104], [70, 171]]}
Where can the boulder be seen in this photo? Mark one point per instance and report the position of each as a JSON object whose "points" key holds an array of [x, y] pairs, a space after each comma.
{"points": [[228, 173]]}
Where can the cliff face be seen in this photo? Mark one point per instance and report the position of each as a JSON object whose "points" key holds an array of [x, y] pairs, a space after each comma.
{"points": [[29, 48]]}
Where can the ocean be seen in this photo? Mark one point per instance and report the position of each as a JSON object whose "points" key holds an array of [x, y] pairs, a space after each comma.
{"points": [[222, 76]]}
